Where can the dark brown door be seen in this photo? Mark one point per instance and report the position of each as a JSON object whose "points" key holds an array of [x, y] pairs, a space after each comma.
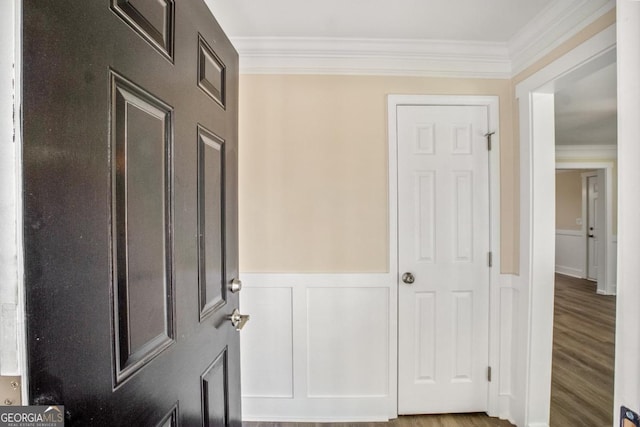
{"points": [[130, 204]]}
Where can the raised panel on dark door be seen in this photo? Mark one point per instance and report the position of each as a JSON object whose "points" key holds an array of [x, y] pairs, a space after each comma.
{"points": [[130, 178]]}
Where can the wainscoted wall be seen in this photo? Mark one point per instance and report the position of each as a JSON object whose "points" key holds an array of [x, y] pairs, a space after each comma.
{"points": [[318, 347], [571, 256], [323, 347]]}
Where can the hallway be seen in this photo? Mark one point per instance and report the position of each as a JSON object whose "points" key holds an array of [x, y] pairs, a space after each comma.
{"points": [[583, 355]]}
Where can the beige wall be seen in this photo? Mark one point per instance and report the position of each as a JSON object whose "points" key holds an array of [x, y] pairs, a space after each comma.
{"points": [[589, 31], [614, 184], [313, 165], [313, 169], [568, 199]]}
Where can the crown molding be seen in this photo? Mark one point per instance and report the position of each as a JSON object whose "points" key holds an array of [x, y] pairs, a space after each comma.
{"points": [[556, 24], [602, 152], [431, 58], [274, 55]]}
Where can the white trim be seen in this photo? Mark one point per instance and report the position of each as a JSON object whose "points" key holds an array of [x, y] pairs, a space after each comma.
{"points": [[434, 58], [585, 223], [575, 233], [537, 156], [495, 405], [627, 352], [556, 24], [599, 49], [600, 152], [429, 58], [569, 271], [13, 358]]}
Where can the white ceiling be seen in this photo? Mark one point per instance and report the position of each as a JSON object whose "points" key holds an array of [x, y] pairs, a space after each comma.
{"points": [[586, 111], [479, 20]]}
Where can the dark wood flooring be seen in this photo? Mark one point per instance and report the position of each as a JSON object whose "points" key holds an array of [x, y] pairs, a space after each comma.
{"points": [[582, 379], [448, 420], [583, 355]]}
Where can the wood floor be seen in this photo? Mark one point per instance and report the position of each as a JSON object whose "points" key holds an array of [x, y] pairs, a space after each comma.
{"points": [[449, 420], [583, 350], [582, 379]]}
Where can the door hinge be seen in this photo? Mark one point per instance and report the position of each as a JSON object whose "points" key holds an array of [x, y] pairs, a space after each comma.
{"points": [[488, 135], [490, 259], [489, 373]]}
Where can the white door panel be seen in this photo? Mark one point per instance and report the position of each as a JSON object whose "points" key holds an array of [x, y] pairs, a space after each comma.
{"points": [[443, 199]]}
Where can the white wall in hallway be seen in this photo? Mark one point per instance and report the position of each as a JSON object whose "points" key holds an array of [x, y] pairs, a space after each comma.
{"points": [[570, 253]]}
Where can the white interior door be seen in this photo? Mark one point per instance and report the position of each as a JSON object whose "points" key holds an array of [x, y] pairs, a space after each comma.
{"points": [[592, 227], [443, 213]]}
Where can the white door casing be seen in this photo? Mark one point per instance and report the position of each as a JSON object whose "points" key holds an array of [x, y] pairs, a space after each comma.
{"points": [[534, 308], [444, 241], [592, 227]]}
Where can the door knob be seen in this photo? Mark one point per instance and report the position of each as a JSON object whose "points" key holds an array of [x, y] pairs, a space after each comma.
{"points": [[235, 286], [408, 278], [238, 320]]}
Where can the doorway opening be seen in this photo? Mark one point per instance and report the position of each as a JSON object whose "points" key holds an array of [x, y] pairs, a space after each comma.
{"points": [[537, 249]]}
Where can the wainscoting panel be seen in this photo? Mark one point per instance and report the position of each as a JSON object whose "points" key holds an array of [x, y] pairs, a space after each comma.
{"points": [[318, 347], [571, 254], [323, 347], [267, 343], [356, 320]]}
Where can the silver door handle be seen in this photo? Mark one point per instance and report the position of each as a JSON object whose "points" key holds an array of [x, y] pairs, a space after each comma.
{"points": [[408, 278], [238, 320], [235, 286]]}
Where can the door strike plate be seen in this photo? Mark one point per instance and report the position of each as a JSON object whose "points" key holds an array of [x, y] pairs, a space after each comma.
{"points": [[10, 391]]}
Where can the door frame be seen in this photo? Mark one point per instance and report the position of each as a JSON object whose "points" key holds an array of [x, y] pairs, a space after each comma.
{"points": [[534, 314], [586, 219], [492, 104], [13, 360]]}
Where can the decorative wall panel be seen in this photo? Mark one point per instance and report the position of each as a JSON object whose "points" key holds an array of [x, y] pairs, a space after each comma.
{"points": [[267, 346]]}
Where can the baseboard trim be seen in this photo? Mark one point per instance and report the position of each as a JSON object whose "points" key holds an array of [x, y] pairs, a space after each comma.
{"points": [[569, 271]]}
